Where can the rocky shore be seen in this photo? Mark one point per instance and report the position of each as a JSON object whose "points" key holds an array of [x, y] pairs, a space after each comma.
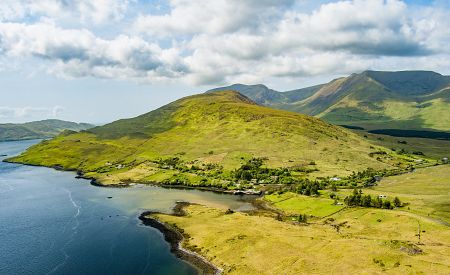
{"points": [[175, 238]]}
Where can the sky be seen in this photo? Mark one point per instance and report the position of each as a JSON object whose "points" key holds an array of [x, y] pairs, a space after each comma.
{"points": [[98, 61]]}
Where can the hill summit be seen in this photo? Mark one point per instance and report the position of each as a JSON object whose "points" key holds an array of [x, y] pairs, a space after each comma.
{"points": [[223, 129], [372, 99]]}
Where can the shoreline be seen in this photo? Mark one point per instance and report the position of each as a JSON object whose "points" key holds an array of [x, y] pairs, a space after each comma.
{"points": [[175, 238], [171, 235], [95, 182]]}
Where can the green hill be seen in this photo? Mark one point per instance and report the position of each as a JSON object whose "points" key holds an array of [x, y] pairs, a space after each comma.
{"points": [[202, 138], [374, 100], [38, 129]]}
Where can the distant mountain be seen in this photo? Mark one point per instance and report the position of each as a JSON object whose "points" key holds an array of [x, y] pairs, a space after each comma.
{"points": [[223, 128], [38, 129], [268, 97], [372, 99]]}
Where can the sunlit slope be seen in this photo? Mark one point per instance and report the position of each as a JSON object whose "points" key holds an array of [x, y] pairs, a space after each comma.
{"points": [[372, 99], [407, 100], [223, 127]]}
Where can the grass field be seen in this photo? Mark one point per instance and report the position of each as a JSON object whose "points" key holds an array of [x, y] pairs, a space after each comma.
{"points": [[426, 190], [432, 148], [382, 241], [292, 203], [370, 241]]}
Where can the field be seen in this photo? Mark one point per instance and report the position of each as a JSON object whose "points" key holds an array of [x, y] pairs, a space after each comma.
{"points": [[432, 148], [382, 240], [426, 190], [296, 204]]}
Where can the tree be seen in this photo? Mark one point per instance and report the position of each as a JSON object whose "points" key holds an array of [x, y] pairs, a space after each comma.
{"points": [[387, 204], [302, 218], [378, 203], [366, 201], [397, 202]]}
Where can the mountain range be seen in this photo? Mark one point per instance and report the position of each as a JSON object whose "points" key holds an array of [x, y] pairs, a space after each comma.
{"points": [[38, 129], [412, 100]]}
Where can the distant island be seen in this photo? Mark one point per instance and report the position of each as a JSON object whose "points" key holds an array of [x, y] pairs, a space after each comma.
{"points": [[38, 129]]}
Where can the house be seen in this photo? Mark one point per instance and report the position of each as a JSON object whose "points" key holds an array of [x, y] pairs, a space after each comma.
{"points": [[382, 196], [445, 160], [335, 179]]}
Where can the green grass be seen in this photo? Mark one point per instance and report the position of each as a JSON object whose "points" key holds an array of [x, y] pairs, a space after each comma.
{"points": [[374, 101], [382, 241], [426, 190], [432, 148], [226, 123], [245, 244], [292, 203]]}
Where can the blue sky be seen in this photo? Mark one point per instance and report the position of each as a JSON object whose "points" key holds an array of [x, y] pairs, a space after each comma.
{"points": [[97, 61]]}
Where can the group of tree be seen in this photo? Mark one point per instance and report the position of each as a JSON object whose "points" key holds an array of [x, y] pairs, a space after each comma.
{"points": [[253, 170], [370, 176], [303, 218], [308, 188], [358, 199]]}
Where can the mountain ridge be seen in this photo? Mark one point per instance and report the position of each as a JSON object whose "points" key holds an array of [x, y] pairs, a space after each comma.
{"points": [[38, 129], [371, 99]]}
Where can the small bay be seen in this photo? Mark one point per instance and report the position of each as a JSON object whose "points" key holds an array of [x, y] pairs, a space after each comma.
{"points": [[52, 223]]}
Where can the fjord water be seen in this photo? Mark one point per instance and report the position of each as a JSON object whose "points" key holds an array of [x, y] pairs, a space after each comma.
{"points": [[52, 223]]}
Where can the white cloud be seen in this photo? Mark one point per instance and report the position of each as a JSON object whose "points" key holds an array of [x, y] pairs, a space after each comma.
{"points": [[88, 11], [213, 17], [79, 53], [226, 40], [375, 27], [14, 113]]}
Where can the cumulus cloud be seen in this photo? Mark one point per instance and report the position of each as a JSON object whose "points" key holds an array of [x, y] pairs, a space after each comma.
{"points": [[13, 113], [98, 11], [225, 40], [215, 17], [375, 27], [341, 37], [79, 53]]}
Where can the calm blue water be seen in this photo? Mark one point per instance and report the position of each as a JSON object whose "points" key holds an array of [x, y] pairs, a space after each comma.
{"points": [[52, 223]]}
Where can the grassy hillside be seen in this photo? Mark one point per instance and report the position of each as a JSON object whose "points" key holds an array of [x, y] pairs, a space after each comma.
{"points": [[432, 148], [372, 99], [426, 190], [381, 241], [38, 129], [202, 139]]}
